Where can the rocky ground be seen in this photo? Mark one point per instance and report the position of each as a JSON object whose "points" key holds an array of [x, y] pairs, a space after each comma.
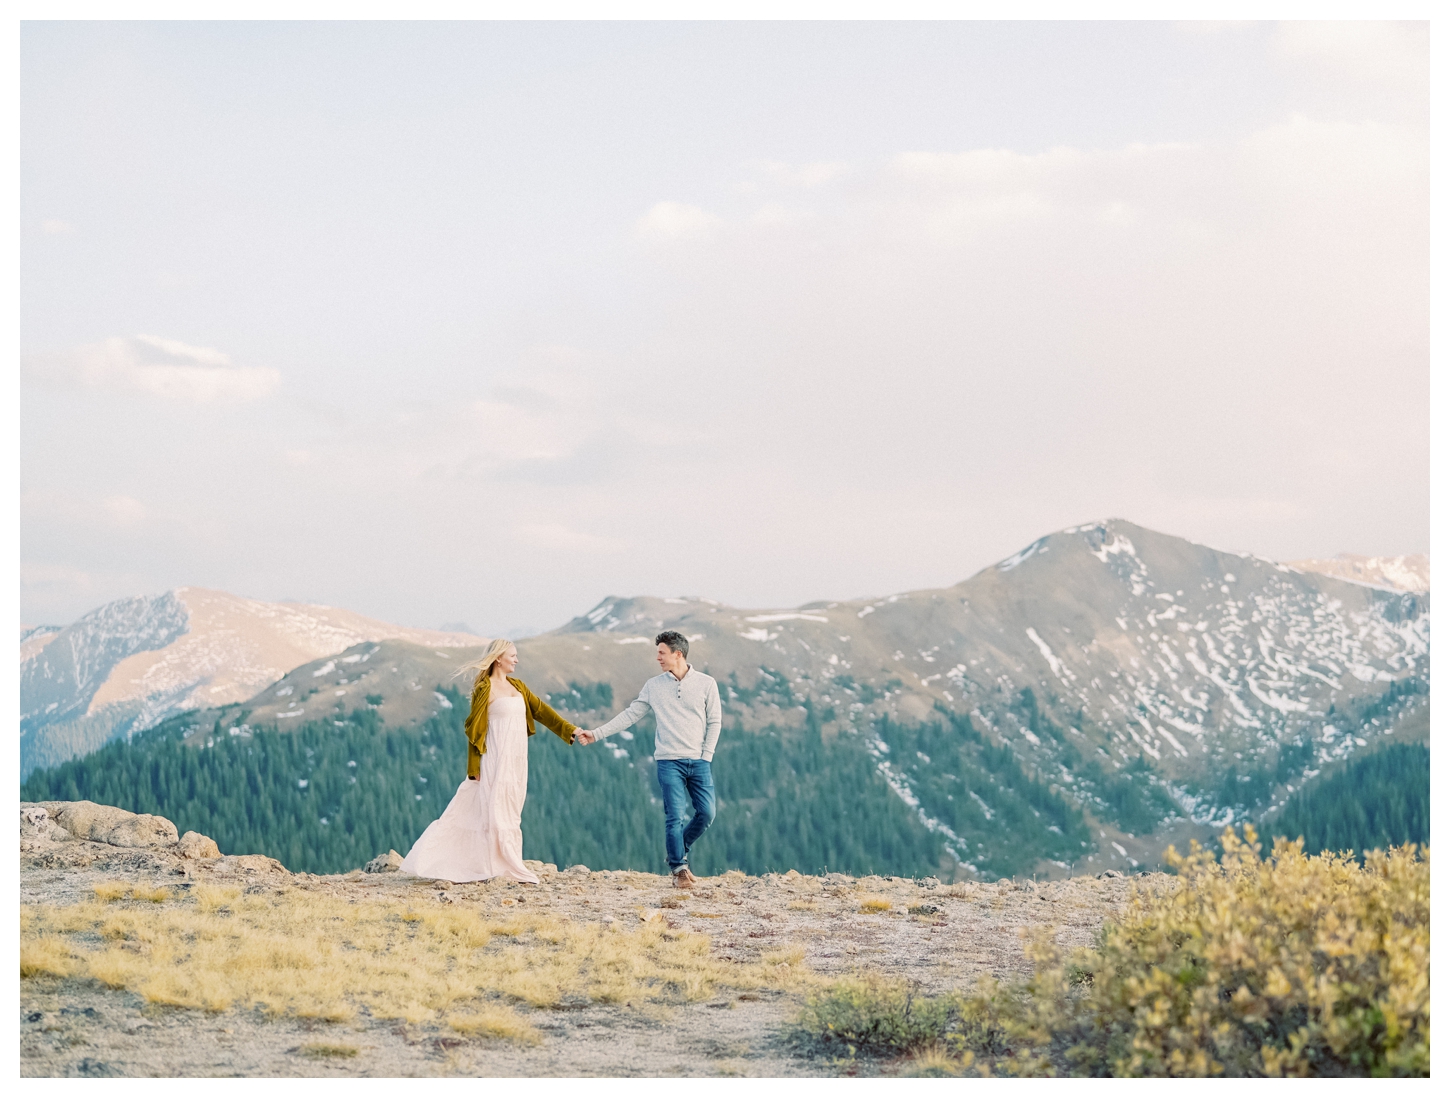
{"points": [[938, 935]]}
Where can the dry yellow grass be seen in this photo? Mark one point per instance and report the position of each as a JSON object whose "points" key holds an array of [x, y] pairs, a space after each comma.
{"points": [[45, 955], [111, 891], [937, 1063], [321, 1050], [215, 897], [495, 1020], [801, 905], [303, 954], [791, 956], [875, 905]]}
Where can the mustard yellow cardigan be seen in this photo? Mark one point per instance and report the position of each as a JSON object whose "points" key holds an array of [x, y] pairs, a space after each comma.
{"points": [[476, 727]]}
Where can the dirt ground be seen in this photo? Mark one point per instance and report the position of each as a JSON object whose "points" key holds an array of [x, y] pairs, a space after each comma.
{"points": [[71, 1027]]}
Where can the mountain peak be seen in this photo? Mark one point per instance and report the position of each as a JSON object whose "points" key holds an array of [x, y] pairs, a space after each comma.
{"points": [[128, 664]]}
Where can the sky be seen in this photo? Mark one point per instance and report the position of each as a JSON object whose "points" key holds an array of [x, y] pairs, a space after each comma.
{"points": [[481, 323]]}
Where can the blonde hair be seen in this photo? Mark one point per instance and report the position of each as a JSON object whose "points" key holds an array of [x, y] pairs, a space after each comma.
{"points": [[484, 664]]}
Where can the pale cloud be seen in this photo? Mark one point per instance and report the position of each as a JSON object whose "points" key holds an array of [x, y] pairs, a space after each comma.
{"points": [[84, 514], [125, 510], [804, 176], [1271, 181], [37, 575], [1170, 329], [513, 431], [553, 535], [536, 417], [54, 582], [677, 221], [164, 368], [1393, 54], [779, 214]]}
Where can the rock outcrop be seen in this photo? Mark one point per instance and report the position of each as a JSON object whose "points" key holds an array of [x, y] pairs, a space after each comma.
{"points": [[36, 824], [103, 823], [194, 845], [384, 863], [86, 821], [249, 866]]}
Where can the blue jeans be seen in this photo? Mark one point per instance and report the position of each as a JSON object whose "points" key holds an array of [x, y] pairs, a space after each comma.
{"points": [[682, 780]]}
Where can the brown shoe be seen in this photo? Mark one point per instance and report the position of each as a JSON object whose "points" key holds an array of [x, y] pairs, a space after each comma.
{"points": [[683, 877]]}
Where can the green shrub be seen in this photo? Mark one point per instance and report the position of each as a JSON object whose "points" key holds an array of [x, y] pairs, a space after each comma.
{"points": [[1280, 966], [876, 1015], [1285, 966]]}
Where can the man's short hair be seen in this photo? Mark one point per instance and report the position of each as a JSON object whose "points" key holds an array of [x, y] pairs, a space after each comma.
{"points": [[676, 641]]}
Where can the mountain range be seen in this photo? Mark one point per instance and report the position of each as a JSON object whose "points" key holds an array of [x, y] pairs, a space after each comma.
{"points": [[131, 663], [1109, 686], [1406, 573]]}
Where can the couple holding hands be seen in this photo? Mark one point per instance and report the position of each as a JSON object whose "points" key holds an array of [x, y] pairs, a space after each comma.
{"points": [[479, 837]]}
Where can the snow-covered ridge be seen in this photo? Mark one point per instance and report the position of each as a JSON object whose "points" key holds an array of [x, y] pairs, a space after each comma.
{"points": [[1405, 573]]}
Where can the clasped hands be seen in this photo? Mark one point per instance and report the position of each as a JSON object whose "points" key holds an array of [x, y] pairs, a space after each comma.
{"points": [[584, 736]]}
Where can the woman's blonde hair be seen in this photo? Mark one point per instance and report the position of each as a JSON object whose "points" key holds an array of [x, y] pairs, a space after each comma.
{"points": [[484, 664]]}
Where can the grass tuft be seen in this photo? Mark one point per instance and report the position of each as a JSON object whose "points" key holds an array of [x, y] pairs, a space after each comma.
{"points": [[110, 891], [790, 956], [875, 905], [935, 1062], [45, 956], [210, 897], [495, 1020], [321, 1050]]}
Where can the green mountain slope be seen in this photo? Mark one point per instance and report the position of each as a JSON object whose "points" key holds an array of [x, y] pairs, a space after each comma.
{"points": [[327, 795], [1374, 802]]}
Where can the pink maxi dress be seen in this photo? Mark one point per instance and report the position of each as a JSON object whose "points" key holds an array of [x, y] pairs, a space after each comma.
{"points": [[478, 835]]}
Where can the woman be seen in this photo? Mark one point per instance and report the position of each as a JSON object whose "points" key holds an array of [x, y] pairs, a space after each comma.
{"points": [[478, 835]]}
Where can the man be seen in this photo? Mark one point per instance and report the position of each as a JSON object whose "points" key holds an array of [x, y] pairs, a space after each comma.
{"points": [[686, 705]]}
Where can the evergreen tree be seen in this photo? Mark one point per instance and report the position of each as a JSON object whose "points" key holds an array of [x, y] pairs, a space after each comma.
{"points": [[1374, 802]]}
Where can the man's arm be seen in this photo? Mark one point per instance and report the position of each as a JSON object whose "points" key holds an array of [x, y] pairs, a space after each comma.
{"points": [[637, 709], [712, 721]]}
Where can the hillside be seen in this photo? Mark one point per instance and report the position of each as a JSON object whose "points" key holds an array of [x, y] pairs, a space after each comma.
{"points": [[1077, 706], [145, 952], [583, 966], [130, 663]]}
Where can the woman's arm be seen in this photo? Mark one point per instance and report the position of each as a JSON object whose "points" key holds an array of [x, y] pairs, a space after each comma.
{"points": [[476, 726], [545, 715]]}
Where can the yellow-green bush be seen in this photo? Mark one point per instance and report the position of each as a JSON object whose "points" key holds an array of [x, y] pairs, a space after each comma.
{"points": [[1247, 967], [877, 1015], [1281, 966]]}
